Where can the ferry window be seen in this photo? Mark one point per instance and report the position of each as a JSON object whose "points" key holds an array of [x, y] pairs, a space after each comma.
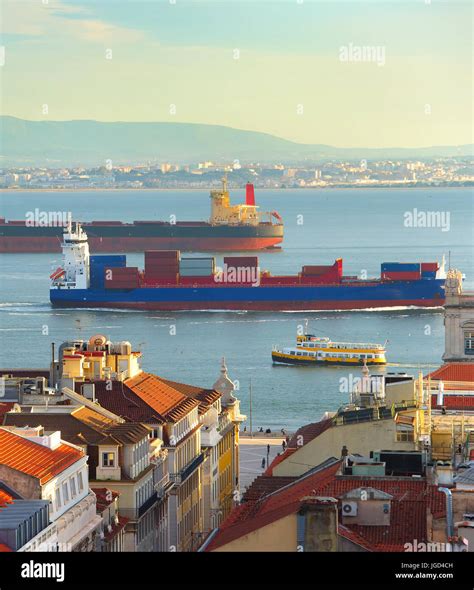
{"points": [[469, 343]]}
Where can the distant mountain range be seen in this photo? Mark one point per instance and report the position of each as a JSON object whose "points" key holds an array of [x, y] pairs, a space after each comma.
{"points": [[70, 143]]}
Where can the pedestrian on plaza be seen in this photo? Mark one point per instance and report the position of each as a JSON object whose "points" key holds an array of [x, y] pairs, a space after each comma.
{"points": [[268, 449], [283, 445], [263, 463]]}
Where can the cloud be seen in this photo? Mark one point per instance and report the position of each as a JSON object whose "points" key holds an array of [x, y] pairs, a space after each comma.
{"points": [[32, 20]]}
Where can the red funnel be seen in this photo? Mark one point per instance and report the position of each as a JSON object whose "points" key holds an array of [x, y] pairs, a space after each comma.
{"points": [[249, 194]]}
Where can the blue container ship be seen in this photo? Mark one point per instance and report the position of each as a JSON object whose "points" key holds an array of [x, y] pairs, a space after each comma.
{"points": [[170, 282]]}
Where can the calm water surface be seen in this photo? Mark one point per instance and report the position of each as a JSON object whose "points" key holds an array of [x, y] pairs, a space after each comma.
{"points": [[366, 228]]}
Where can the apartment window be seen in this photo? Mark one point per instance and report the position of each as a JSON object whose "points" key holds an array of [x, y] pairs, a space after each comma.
{"points": [[80, 481], [108, 459], [65, 492], [73, 486], [59, 502], [469, 343]]}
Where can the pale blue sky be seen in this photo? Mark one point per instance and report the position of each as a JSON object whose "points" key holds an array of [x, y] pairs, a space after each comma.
{"points": [[288, 79]]}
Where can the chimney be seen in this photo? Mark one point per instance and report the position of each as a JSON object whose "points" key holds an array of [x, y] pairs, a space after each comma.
{"points": [[249, 194], [317, 524]]}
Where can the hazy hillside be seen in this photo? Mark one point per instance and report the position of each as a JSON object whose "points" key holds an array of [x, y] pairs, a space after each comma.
{"points": [[93, 142]]}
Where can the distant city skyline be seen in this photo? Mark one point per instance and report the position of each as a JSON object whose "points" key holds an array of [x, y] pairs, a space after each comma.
{"points": [[346, 74]]}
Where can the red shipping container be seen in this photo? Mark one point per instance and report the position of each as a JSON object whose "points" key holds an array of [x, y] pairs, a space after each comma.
{"points": [[164, 272], [120, 273], [161, 271], [234, 261], [315, 270], [429, 266], [162, 254], [401, 276], [132, 283], [122, 270]]}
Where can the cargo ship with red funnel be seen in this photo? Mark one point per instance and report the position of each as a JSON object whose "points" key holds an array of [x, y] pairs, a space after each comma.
{"points": [[170, 281], [230, 228]]}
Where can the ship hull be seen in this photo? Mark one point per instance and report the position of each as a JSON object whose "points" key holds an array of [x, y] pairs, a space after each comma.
{"points": [[374, 295], [279, 359], [140, 237]]}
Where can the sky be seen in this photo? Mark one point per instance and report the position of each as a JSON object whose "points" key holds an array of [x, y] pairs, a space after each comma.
{"points": [[349, 74]]}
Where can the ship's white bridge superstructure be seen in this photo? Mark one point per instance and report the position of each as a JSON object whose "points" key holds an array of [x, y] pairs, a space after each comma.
{"points": [[76, 260]]}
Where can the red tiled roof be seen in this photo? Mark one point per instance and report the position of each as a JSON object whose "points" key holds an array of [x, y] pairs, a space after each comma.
{"points": [[117, 398], [206, 397], [264, 485], [4, 548], [157, 394], [21, 454], [351, 535], [309, 432], [116, 528], [411, 498], [5, 498], [167, 401], [279, 459], [457, 372], [103, 498], [250, 516], [302, 437]]}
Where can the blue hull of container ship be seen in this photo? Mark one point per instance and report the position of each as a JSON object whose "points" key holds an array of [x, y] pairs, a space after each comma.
{"points": [[357, 295]]}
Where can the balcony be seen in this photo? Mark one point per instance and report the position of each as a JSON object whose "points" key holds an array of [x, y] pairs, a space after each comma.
{"points": [[209, 436], [183, 475], [147, 504], [162, 486]]}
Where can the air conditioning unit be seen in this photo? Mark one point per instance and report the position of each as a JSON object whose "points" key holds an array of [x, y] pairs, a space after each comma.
{"points": [[349, 508]]}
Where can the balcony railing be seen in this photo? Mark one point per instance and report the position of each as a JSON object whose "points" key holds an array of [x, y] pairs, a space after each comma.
{"points": [[182, 475], [162, 485], [147, 504]]}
